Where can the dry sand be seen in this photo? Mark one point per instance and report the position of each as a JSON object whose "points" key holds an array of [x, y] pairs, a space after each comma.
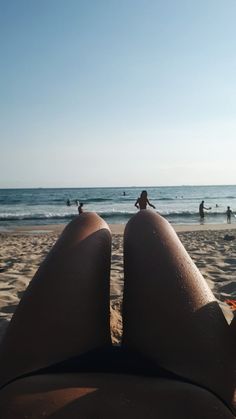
{"points": [[22, 251]]}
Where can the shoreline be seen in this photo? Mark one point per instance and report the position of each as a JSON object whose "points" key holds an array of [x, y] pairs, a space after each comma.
{"points": [[117, 228]]}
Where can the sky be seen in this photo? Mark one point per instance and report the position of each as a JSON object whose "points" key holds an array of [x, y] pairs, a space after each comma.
{"points": [[117, 93]]}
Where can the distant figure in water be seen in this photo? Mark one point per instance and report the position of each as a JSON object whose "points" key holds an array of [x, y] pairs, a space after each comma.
{"points": [[124, 193], [201, 210], [68, 203], [142, 201], [229, 212], [80, 208]]}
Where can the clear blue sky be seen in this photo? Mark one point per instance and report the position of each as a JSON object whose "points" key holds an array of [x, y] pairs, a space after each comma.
{"points": [[117, 93]]}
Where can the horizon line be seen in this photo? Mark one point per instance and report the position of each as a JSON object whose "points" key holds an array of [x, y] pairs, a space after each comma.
{"points": [[116, 187]]}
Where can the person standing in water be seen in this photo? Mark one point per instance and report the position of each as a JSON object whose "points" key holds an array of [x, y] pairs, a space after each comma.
{"points": [[143, 201], [201, 210], [80, 208], [229, 212]]}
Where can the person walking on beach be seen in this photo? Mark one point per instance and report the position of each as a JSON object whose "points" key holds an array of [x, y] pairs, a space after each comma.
{"points": [[80, 208], [143, 201], [229, 212], [201, 210]]}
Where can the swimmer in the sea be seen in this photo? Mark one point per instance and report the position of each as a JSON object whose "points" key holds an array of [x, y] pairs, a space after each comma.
{"points": [[143, 201]]}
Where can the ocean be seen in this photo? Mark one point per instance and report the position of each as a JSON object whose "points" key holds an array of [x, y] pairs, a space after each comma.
{"points": [[178, 204]]}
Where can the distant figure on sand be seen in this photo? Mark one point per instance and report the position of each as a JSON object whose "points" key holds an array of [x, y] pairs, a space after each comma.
{"points": [[80, 208], [201, 209], [229, 212], [142, 201]]}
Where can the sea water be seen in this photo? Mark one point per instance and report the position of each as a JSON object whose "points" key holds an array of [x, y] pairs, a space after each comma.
{"points": [[178, 204]]}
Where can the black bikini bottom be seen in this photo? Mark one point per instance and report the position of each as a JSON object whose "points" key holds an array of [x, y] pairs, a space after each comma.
{"points": [[111, 359]]}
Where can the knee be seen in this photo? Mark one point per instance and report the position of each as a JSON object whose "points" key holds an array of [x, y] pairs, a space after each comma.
{"points": [[83, 226], [88, 220], [146, 221], [147, 216]]}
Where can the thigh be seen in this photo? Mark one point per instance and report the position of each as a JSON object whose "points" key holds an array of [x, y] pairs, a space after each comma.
{"points": [[169, 313], [65, 310]]}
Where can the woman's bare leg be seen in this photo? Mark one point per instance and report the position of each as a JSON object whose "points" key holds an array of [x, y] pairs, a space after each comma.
{"points": [[233, 328], [65, 310], [169, 313]]}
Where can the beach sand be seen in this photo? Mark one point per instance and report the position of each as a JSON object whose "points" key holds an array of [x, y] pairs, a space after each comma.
{"points": [[22, 251]]}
